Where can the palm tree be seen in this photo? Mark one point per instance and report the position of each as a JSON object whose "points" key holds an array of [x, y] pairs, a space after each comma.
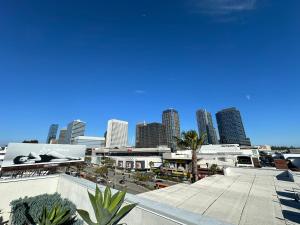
{"points": [[190, 140], [151, 164]]}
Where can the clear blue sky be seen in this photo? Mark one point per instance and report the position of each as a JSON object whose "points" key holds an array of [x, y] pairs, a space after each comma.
{"points": [[130, 60]]}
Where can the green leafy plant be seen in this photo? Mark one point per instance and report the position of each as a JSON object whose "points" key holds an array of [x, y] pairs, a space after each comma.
{"points": [[107, 208], [56, 216]]}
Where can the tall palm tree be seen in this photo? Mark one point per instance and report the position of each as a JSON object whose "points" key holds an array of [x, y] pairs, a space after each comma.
{"points": [[190, 140]]}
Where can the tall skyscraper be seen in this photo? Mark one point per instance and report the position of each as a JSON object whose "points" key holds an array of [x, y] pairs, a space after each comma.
{"points": [[205, 126], [170, 120], [117, 133], [52, 132], [231, 128], [138, 134], [150, 135], [75, 128], [62, 139]]}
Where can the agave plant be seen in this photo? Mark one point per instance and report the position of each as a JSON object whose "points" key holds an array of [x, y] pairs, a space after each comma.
{"points": [[107, 208], [57, 216]]}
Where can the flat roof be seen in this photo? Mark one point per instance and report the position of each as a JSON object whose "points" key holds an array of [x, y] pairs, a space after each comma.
{"points": [[245, 197], [94, 138]]}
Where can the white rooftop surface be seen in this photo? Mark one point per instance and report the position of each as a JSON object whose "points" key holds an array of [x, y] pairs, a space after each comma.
{"points": [[90, 138], [244, 197]]}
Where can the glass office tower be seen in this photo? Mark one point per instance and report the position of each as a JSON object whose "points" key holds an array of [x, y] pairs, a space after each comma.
{"points": [[170, 120], [231, 128], [52, 133], [205, 127]]}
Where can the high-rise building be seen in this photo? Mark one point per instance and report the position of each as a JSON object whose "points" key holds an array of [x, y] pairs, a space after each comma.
{"points": [[206, 127], [138, 133], [52, 133], [117, 133], [62, 139], [231, 128], [170, 120], [150, 135], [75, 128]]}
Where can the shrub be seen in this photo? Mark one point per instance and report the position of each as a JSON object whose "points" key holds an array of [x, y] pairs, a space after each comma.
{"points": [[213, 169], [33, 206]]}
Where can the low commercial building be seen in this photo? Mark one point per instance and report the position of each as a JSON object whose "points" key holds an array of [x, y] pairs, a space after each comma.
{"points": [[137, 162], [132, 158], [221, 155], [90, 142], [2, 154]]}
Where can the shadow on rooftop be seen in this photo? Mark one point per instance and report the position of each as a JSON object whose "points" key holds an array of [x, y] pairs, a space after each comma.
{"points": [[286, 194], [284, 176], [291, 216], [290, 203]]}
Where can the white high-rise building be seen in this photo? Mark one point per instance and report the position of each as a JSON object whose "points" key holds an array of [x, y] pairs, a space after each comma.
{"points": [[117, 133], [75, 128]]}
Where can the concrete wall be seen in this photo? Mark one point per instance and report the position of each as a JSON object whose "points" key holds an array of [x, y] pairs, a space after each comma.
{"points": [[147, 212], [77, 193], [14, 189]]}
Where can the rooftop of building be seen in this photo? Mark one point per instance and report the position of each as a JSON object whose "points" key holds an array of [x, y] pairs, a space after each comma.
{"points": [[243, 197], [147, 212], [133, 149], [119, 121], [228, 109], [89, 138], [170, 110]]}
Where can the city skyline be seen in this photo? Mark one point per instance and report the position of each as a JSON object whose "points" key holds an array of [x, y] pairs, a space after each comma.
{"points": [[104, 60], [132, 131]]}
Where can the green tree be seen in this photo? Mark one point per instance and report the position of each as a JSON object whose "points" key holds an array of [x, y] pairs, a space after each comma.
{"points": [[190, 140], [102, 171], [107, 208], [109, 162]]}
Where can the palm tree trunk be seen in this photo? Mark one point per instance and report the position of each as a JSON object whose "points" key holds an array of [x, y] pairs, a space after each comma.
{"points": [[194, 166]]}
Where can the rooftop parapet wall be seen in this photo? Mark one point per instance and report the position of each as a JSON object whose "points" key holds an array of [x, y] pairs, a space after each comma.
{"points": [[147, 212], [19, 188]]}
